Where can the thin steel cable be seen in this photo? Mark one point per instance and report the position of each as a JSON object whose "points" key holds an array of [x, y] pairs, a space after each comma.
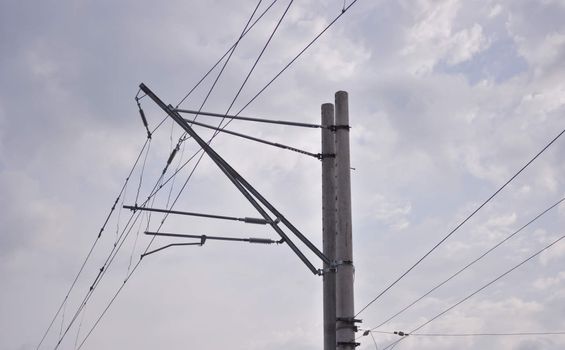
{"points": [[92, 247], [470, 264], [461, 223]]}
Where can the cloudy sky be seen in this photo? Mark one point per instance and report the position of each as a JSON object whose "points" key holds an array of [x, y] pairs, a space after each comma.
{"points": [[448, 99]]}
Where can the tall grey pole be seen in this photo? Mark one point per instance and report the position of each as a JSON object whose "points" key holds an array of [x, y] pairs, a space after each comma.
{"points": [[328, 225], [345, 325]]}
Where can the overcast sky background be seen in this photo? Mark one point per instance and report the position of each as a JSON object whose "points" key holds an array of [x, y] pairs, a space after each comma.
{"points": [[448, 99]]}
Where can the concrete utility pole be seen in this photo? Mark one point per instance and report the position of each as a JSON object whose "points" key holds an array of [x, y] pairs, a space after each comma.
{"points": [[345, 325], [329, 211]]}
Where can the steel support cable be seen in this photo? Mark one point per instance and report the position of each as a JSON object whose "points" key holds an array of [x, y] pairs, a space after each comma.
{"points": [[92, 246], [499, 277], [461, 223], [469, 264]]}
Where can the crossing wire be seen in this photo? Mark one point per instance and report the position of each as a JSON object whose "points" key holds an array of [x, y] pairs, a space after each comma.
{"points": [[460, 224], [470, 264], [499, 277]]}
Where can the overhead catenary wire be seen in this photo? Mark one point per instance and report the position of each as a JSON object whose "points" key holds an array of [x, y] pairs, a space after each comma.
{"points": [[461, 223], [88, 255], [113, 253], [469, 264], [469, 296], [115, 249]]}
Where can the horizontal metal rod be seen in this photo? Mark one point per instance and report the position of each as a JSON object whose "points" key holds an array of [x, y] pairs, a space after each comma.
{"points": [[204, 238], [247, 220], [275, 144], [260, 120]]}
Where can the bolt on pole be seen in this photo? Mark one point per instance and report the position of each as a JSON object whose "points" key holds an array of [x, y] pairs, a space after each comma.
{"points": [[345, 325], [329, 225]]}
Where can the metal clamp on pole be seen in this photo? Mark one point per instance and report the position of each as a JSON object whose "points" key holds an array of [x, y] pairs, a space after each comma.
{"points": [[335, 128]]}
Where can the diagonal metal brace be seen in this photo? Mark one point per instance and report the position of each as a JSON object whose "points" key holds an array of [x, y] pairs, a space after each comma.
{"points": [[244, 187]]}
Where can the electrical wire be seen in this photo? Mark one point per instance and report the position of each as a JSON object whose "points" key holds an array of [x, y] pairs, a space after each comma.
{"points": [[460, 224], [92, 246], [470, 264], [485, 286]]}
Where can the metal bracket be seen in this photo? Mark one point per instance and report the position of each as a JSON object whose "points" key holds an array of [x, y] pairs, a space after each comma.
{"points": [[348, 343], [322, 156], [335, 128]]}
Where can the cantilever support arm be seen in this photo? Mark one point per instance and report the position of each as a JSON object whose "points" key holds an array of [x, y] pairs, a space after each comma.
{"points": [[245, 188]]}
